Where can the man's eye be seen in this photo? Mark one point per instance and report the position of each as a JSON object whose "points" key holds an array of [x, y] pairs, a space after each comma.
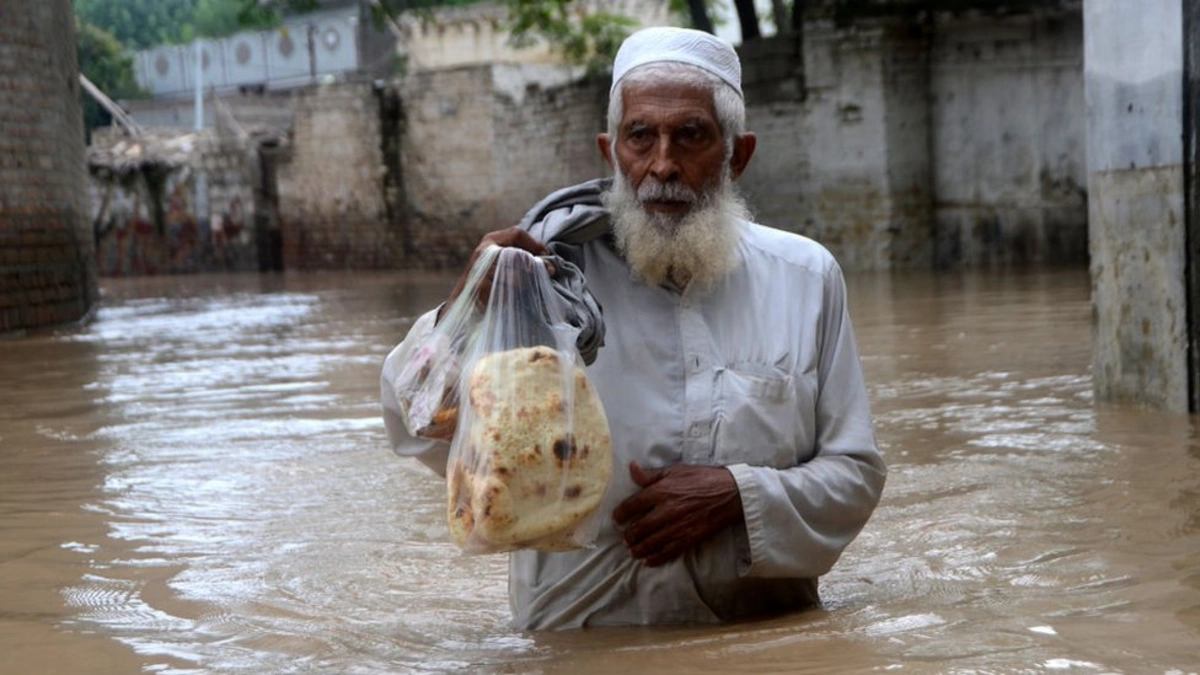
{"points": [[638, 137]]}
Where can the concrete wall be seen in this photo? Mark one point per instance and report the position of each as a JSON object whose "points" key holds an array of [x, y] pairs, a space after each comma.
{"points": [[1008, 140], [1134, 78], [863, 186], [333, 210], [47, 267]]}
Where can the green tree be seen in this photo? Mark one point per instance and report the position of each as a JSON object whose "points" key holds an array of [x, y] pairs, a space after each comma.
{"points": [[103, 60], [582, 37], [220, 18], [138, 24]]}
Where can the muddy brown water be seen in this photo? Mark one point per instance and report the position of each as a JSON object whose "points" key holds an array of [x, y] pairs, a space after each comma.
{"points": [[198, 482]]}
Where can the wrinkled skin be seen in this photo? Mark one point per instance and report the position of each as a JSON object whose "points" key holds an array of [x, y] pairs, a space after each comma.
{"points": [[670, 133], [678, 508]]}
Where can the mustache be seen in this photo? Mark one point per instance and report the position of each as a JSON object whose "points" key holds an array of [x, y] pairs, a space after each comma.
{"points": [[654, 190]]}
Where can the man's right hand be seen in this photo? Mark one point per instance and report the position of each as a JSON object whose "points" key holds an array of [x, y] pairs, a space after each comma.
{"points": [[513, 236]]}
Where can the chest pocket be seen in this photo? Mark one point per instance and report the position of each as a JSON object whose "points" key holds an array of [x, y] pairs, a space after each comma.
{"points": [[764, 417]]}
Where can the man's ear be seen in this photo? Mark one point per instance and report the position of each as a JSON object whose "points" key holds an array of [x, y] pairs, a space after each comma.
{"points": [[605, 149], [743, 150]]}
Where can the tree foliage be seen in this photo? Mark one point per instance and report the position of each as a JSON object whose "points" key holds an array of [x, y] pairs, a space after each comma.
{"points": [[138, 24], [103, 61], [582, 37], [221, 18]]}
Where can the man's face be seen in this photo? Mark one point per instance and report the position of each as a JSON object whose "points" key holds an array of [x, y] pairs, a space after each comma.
{"points": [[670, 135]]}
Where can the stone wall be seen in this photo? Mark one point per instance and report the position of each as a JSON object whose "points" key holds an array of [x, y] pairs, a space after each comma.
{"points": [[955, 143], [47, 267], [1135, 155], [1009, 159], [333, 206]]}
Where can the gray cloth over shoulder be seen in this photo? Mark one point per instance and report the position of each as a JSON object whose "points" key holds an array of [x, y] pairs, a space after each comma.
{"points": [[564, 221]]}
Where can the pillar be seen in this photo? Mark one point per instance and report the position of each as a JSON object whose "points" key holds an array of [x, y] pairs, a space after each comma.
{"points": [[47, 260], [1137, 231]]}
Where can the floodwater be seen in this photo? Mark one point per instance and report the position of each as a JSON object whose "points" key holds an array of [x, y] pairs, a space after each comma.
{"points": [[198, 482]]}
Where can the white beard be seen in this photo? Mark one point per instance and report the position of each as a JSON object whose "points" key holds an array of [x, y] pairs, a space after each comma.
{"points": [[694, 250]]}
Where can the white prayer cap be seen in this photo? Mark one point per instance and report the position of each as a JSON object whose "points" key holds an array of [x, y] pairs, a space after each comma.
{"points": [[679, 45]]}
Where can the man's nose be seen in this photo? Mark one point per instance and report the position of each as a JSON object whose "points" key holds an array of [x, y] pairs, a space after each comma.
{"points": [[663, 164]]}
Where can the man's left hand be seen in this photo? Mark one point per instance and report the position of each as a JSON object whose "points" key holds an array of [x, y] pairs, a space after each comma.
{"points": [[677, 509]]}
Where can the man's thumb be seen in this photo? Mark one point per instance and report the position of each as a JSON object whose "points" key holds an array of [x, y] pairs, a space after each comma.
{"points": [[644, 477]]}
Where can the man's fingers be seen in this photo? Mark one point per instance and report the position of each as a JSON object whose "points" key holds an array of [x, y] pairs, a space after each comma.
{"points": [[660, 548], [516, 237], [511, 237], [632, 508]]}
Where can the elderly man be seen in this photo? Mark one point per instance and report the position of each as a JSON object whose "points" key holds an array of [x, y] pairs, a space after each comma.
{"points": [[746, 459]]}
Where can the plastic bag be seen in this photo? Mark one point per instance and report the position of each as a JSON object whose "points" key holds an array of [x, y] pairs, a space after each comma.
{"points": [[531, 454], [427, 386]]}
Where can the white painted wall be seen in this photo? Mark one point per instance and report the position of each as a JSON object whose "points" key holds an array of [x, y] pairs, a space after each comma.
{"points": [[1134, 71]]}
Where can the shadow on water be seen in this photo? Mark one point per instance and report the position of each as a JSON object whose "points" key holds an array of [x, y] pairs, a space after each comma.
{"points": [[199, 482]]}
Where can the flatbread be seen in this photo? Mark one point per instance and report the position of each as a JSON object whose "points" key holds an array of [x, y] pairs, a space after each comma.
{"points": [[533, 464]]}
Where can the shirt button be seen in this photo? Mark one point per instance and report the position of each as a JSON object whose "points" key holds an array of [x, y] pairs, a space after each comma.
{"points": [[694, 362], [697, 430]]}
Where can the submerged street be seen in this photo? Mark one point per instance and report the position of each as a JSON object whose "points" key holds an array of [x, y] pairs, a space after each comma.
{"points": [[198, 481]]}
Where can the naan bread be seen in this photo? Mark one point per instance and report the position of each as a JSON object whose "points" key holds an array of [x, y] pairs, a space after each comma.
{"points": [[532, 466]]}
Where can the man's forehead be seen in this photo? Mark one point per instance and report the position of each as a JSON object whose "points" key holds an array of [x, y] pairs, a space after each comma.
{"points": [[667, 100]]}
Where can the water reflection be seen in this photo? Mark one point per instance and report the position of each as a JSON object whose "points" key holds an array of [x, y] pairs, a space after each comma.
{"points": [[198, 482]]}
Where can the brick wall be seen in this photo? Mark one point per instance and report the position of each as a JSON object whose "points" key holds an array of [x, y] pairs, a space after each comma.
{"points": [[447, 156], [544, 139], [482, 144], [47, 269], [333, 212]]}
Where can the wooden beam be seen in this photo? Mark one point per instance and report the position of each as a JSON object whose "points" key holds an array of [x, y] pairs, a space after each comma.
{"points": [[118, 114]]}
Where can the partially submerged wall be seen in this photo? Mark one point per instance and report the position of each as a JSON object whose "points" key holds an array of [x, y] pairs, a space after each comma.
{"points": [[47, 267], [333, 202], [1134, 61], [865, 190], [144, 204], [898, 144]]}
